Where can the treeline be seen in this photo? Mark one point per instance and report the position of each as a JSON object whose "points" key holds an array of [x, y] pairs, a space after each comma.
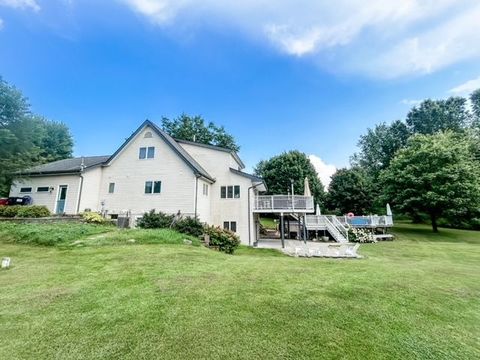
{"points": [[427, 166], [27, 139]]}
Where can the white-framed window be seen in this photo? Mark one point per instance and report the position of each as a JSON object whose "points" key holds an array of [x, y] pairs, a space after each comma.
{"points": [[230, 225], [153, 187], [205, 189], [27, 189], [43, 189], [230, 192], [146, 152], [111, 188]]}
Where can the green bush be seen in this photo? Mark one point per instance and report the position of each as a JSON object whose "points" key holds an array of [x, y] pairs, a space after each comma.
{"points": [[9, 211], [93, 217], [152, 220], [225, 240], [33, 211], [189, 225]]}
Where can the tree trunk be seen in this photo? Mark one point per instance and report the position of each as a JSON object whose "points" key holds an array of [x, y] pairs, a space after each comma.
{"points": [[433, 217]]}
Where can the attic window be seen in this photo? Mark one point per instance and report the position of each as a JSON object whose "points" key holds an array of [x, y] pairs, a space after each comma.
{"points": [[148, 135]]}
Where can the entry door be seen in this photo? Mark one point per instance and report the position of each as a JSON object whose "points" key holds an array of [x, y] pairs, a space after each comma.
{"points": [[62, 197]]}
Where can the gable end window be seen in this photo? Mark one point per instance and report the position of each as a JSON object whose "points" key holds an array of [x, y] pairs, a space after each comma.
{"points": [[146, 152], [111, 188], [230, 192], [43, 189], [205, 189], [153, 187], [26, 190]]}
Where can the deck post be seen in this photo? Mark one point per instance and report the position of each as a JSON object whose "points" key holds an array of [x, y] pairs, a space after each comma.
{"points": [[282, 230], [304, 229], [299, 233]]}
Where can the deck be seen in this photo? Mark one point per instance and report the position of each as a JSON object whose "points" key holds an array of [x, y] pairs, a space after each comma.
{"points": [[283, 204]]}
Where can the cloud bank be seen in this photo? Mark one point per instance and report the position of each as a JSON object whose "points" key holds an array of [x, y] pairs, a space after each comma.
{"points": [[380, 38], [324, 170]]}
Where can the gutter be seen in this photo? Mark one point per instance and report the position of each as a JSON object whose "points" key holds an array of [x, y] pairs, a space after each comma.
{"points": [[196, 194], [82, 168]]}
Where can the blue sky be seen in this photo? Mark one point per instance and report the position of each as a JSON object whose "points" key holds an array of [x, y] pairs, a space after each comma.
{"points": [[279, 75]]}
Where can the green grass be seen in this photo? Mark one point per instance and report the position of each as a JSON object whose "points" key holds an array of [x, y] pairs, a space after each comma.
{"points": [[417, 297], [268, 223]]}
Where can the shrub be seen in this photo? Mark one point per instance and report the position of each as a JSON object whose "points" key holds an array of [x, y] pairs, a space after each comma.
{"points": [[360, 235], [93, 218], [33, 211], [189, 225], [152, 220], [9, 211], [225, 240]]}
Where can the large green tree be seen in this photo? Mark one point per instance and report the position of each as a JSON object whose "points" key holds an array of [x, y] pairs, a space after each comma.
{"points": [[26, 139], [350, 191], [278, 171], [435, 174], [379, 145], [432, 116], [194, 128]]}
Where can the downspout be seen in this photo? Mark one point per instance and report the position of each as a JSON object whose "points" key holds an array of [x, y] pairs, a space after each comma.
{"points": [[249, 221], [196, 194], [82, 168]]}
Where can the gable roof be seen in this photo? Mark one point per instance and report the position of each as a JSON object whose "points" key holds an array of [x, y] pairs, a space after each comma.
{"points": [[214, 147], [66, 166], [174, 145]]}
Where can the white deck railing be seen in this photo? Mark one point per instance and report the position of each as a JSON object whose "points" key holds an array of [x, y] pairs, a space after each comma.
{"points": [[367, 220], [283, 203]]}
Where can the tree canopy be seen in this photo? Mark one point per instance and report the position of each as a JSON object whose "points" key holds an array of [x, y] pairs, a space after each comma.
{"points": [[432, 116], [26, 139], [349, 191], [194, 128], [278, 171], [435, 174]]}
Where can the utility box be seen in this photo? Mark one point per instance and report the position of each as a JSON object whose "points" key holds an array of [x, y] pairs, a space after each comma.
{"points": [[123, 222]]}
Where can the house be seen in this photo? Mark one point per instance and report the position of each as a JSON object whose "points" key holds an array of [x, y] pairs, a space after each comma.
{"points": [[150, 170]]}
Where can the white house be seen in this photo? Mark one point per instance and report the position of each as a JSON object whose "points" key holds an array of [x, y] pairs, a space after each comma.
{"points": [[151, 170]]}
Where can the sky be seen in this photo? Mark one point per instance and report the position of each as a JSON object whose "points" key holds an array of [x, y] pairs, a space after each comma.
{"points": [[279, 75]]}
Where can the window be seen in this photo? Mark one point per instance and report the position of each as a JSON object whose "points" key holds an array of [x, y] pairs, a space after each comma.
{"points": [[26, 190], [230, 192], [230, 225], [43, 189], [157, 187], [111, 188], [150, 152], [153, 187], [146, 153], [205, 189]]}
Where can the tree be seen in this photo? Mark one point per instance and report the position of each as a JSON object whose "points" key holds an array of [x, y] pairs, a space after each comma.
{"points": [[350, 191], [278, 172], [379, 145], [25, 139], [475, 100], [194, 128], [432, 116], [435, 174]]}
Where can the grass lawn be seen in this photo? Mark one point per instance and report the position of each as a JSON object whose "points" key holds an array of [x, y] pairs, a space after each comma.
{"points": [[268, 223], [415, 297]]}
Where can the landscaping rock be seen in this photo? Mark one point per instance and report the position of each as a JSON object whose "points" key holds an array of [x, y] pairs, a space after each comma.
{"points": [[131, 241], [187, 242]]}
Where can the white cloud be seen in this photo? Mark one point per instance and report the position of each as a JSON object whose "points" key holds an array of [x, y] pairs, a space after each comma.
{"points": [[382, 38], [410, 102], [466, 88], [21, 4], [324, 170], [1, 24]]}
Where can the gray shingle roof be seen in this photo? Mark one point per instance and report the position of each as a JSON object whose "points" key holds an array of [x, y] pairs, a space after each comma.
{"points": [[72, 165]]}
